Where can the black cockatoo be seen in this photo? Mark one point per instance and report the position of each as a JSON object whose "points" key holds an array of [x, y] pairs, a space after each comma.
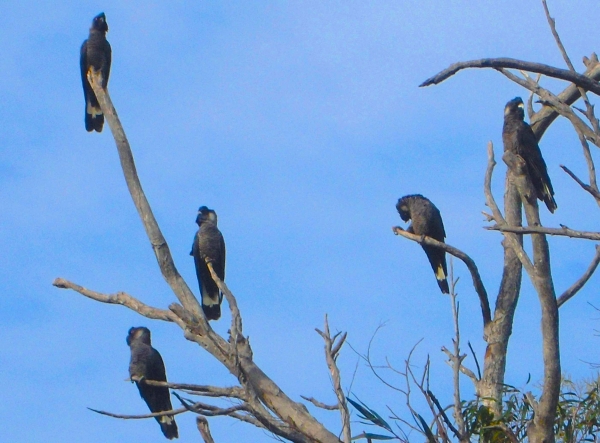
{"points": [[95, 52], [209, 243], [426, 220], [519, 139], [147, 364]]}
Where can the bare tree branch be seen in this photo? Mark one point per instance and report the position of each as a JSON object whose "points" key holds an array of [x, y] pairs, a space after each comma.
{"points": [[518, 177], [456, 360], [443, 414], [210, 410], [589, 107], [157, 240], [487, 186], [591, 168], [549, 98], [141, 416], [318, 404], [293, 420], [202, 424], [463, 369], [511, 63], [575, 287], [552, 24], [545, 116], [468, 261], [331, 354], [563, 231], [497, 335], [120, 298], [541, 428], [236, 319], [591, 189], [204, 390]]}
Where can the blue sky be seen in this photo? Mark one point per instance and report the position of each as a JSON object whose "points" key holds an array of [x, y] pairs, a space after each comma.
{"points": [[301, 124]]}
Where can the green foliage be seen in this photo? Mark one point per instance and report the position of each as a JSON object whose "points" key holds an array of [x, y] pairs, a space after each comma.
{"points": [[369, 414], [372, 418], [578, 413], [577, 420]]}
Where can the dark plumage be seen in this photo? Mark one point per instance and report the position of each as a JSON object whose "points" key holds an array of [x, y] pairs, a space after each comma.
{"points": [[520, 140], [426, 220], [146, 363], [209, 243], [96, 52]]}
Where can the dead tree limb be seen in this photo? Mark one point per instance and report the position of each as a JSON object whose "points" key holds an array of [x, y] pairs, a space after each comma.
{"points": [[589, 107], [542, 119], [548, 98], [120, 298], [588, 188], [203, 390], [468, 261], [456, 360], [562, 231], [541, 429], [511, 63], [266, 402], [202, 424], [498, 333], [157, 240], [321, 405], [575, 287], [140, 416], [332, 349]]}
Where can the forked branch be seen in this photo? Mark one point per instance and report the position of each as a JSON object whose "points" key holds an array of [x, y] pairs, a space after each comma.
{"points": [[267, 404], [332, 349]]}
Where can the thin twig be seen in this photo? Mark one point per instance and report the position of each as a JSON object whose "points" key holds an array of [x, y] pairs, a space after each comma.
{"points": [[594, 192], [318, 404], [236, 318], [476, 361], [456, 359], [590, 162], [490, 202], [575, 287], [141, 416], [443, 414], [463, 369]]}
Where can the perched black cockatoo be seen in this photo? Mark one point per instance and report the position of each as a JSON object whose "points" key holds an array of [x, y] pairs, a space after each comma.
{"points": [[95, 52], [426, 220], [519, 139], [209, 243], [146, 363]]}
